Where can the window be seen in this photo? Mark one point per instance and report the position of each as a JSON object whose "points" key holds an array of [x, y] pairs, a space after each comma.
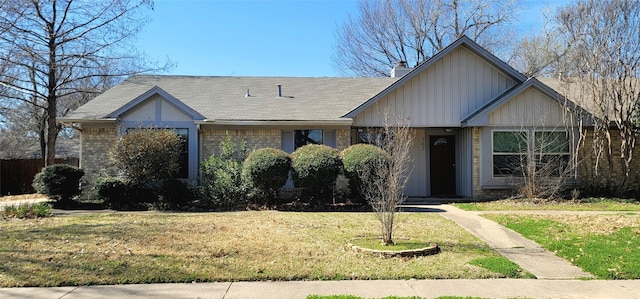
{"points": [[183, 161], [304, 137], [509, 153], [552, 152], [370, 136], [514, 153]]}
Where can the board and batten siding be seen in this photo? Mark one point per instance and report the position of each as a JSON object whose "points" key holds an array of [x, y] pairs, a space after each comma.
{"points": [[464, 162], [443, 94], [530, 108]]}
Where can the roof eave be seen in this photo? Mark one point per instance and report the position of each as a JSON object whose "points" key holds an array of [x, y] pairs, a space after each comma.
{"points": [[293, 123]]}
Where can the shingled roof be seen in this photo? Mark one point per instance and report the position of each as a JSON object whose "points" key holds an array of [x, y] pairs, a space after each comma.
{"points": [[225, 98]]}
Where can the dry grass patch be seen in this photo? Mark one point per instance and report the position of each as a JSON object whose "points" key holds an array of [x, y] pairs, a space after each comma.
{"points": [[22, 197], [183, 247]]}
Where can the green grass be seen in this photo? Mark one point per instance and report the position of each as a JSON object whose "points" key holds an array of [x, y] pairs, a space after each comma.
{"points": [[603, 245], [155, 247], [586, 204], [503, 266]]}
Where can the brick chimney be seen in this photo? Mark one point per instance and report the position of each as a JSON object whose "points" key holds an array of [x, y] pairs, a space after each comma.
{"points": [[400, 69]]}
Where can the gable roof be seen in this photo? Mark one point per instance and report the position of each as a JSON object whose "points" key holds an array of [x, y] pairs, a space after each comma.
{"points": [[479, 117], [218, 98], [462, 41], [156, 91]]}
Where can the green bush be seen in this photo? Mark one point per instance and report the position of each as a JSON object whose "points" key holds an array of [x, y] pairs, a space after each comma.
{"points": [[172, 194], [221, 177], [355, 160], [315, 168], [147, 155], [121, 195], [60, 182], [265, 171]]}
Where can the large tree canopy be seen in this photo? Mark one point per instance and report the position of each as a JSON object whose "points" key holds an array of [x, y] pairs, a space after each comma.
{"points": [[387, 31], [58, 54]]}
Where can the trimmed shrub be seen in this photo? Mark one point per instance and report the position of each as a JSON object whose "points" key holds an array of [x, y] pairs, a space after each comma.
{"points": [[355, 160], [173, 194], [221, 177], [60, 182], [147, 154], [315, 168], [264, 172], [112, 191], [120, 195]]}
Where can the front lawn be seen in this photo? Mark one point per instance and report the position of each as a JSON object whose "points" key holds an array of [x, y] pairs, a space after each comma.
{"points": [[607, 246], [116, 248], [586, 204]]}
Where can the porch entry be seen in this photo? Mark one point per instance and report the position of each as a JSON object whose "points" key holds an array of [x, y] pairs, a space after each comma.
{"points": [[442, 154]]}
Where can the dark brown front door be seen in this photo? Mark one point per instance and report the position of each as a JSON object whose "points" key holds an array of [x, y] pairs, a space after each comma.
{"points": [[443, 166]]}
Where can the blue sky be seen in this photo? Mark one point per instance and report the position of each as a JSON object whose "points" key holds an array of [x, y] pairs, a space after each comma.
{"points": [[261, 37]]}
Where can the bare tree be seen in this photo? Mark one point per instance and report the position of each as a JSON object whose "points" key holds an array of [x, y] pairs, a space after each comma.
{"points": [[387, 31], [383, 182], [604, 39], [60, 53], [541, 54]]}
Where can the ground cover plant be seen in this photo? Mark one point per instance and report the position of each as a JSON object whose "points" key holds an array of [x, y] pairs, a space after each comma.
{"points": [[585, 204], [117, 248], [605, 245], [27, 210]]}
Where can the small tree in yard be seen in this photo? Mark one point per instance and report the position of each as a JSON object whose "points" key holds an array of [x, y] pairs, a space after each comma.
{"points": [[384, 180]]}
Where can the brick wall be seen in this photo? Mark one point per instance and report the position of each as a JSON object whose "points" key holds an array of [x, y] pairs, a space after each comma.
{"points": [[95, 144], [211, 139], [602, 175]]}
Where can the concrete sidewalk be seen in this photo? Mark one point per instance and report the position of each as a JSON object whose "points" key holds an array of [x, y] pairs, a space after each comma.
{"points": [[524, 252], [484, 288]]}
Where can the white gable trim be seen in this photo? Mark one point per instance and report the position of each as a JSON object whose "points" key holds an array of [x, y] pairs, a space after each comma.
{"points": [[150, 93], [462, 41], [480, 117]]}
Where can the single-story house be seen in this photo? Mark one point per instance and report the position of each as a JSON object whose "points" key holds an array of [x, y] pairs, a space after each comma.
{"points": [[464, 105]]}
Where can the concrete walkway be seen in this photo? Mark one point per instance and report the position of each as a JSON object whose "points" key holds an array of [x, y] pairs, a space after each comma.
{"points": [[524, 252], [484, 288]]}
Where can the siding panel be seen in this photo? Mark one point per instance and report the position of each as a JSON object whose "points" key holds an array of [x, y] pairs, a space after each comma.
{"points": [[443, 94]]}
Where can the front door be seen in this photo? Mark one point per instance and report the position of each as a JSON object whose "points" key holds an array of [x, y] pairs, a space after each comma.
{"points": [[443, 166]]}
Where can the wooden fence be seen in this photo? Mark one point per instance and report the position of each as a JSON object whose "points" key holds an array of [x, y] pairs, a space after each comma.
{"points": [[17, 175]]}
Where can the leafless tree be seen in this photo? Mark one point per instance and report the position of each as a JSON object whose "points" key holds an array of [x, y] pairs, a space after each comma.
{"points": [[57, 54], [604, 39], [541, 54], [383, 182], [387, 31]]}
